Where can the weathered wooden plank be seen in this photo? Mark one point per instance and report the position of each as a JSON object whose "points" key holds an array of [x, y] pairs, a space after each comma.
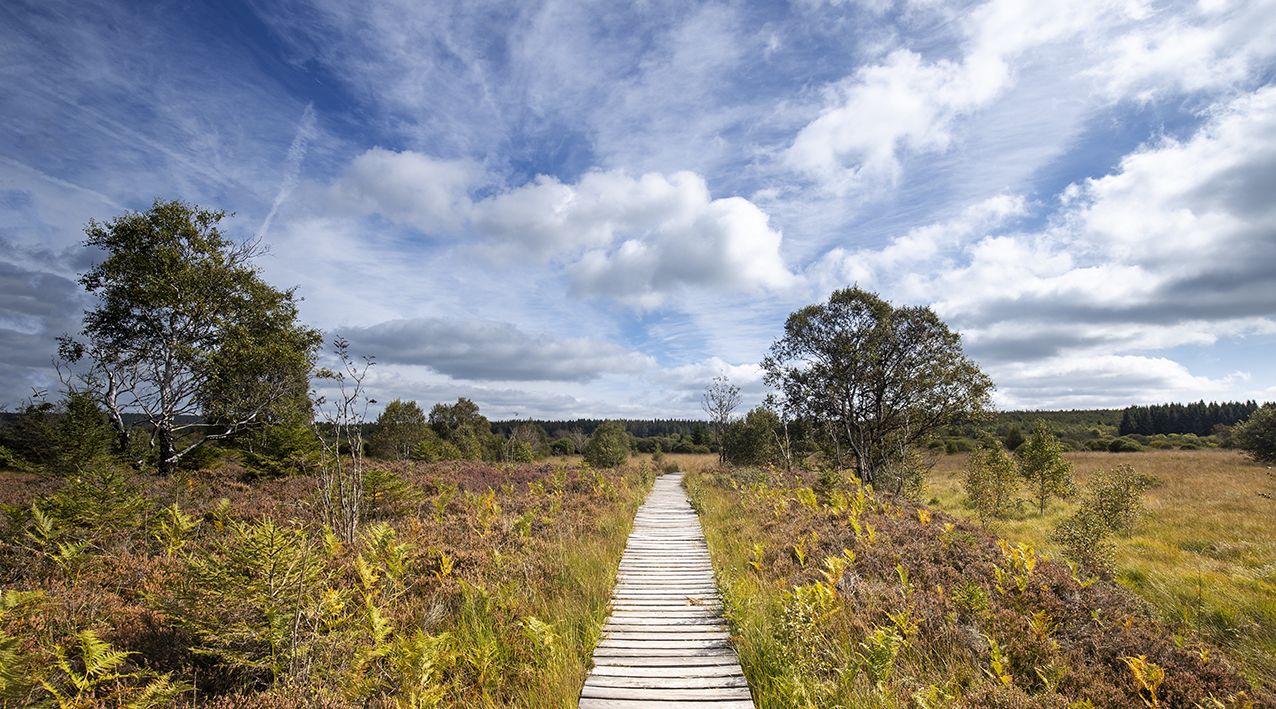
{"points": [[665, 682], [666, 695], [592, 703], [666, 670]]}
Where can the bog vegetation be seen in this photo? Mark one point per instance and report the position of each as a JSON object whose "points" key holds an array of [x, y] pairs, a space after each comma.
{"points": [[188, 524]]}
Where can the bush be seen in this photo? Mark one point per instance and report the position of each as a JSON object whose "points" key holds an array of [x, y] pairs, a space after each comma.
{"points": [[1257, 436], [1098, 444], [751, 440], [991, 481], [608, 447], [1124, 445]]}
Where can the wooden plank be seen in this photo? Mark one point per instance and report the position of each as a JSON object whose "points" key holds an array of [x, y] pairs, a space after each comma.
{"points": [[592, 703], [667, 671], [666, 682], [665, 695]]}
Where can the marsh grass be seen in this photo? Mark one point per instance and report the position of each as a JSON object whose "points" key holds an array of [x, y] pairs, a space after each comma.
{"points": [[1204, 557]]}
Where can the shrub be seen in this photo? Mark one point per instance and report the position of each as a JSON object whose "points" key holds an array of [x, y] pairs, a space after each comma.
{"points": [[1257, 436], [751, 440], [1114, 504], [991, 481], [1117, 496], [1124, 445], [1098, 444], [608, 447]]}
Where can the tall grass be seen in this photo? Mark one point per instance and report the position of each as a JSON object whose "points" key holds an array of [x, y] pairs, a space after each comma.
{"points": [[1205, 557]]}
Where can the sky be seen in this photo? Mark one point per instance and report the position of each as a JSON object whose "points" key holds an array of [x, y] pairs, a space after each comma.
{"points": [[592, 209]]}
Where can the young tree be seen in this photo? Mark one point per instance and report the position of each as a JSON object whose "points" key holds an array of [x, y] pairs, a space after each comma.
{"points": [[875, 373], [720, 399], [608, 447], [463, 427], [185, 327], [400, 426], [752, 439], [1042, 464], [991, 481]]}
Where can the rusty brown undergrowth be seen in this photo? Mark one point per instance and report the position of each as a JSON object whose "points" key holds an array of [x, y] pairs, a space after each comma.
{"points": [[468, 585]]}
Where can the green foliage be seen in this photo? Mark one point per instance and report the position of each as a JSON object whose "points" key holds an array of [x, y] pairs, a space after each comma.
{"points": [[386, 494], [104, 497], [1042, 464], [1013, 439], [991, 481], [248, 596], [1117, 496], [468, 432], [880, 378], [19, 675], [608, 447], [752, 439], [95, 676], [1257, 436], [1124, 445], [1113, 504], [184, 326], [399, 428], [59, 438]]}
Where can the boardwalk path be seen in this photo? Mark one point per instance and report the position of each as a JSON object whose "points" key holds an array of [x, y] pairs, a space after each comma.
{"points": [[665, 643]]}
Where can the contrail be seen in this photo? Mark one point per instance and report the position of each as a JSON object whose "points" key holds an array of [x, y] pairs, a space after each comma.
{"points": [[296, 153]]}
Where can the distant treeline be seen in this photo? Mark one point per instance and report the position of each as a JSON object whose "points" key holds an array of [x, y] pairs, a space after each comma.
{"points": [[1199, 418], [636, 428]]}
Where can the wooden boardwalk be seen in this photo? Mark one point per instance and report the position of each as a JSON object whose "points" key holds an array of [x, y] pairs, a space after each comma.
{"points": [[665, 643]]}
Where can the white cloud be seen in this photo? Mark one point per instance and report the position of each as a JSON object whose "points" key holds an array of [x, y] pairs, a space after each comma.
{"points": [[672, 235], [905, 103], [900, 266], [1097, 381], [1175, 248], [480, 350], [696, 376], [407, 187], [1216, 44]]}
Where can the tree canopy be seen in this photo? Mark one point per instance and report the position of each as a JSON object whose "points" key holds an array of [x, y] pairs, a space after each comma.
{"points": [[879, 378], [185, 326]]}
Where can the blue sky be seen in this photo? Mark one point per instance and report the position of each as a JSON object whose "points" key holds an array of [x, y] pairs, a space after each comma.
{"points": [[590, 209]]}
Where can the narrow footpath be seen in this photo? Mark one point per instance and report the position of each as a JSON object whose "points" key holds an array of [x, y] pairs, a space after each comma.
{"points": [[666, 643]]}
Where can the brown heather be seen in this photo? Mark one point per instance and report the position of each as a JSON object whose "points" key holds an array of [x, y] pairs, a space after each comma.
{"points": [[845, 600], [507, 572], [1204, 557]]}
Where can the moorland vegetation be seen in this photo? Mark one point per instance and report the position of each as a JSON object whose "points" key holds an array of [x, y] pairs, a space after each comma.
{"points": [[190, 525]]}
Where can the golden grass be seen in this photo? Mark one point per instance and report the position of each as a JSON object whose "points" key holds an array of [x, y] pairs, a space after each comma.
{"points": [[1205, 557]]}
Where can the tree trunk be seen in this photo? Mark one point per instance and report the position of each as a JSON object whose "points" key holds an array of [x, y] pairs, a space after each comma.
{"points": [[167, 451]]}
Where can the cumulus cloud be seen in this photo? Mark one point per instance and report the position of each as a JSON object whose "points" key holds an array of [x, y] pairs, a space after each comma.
{"points": [[1174, 248], [910, 103], [408, 188], [635, 240], [483, 350], [671, 235]]}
